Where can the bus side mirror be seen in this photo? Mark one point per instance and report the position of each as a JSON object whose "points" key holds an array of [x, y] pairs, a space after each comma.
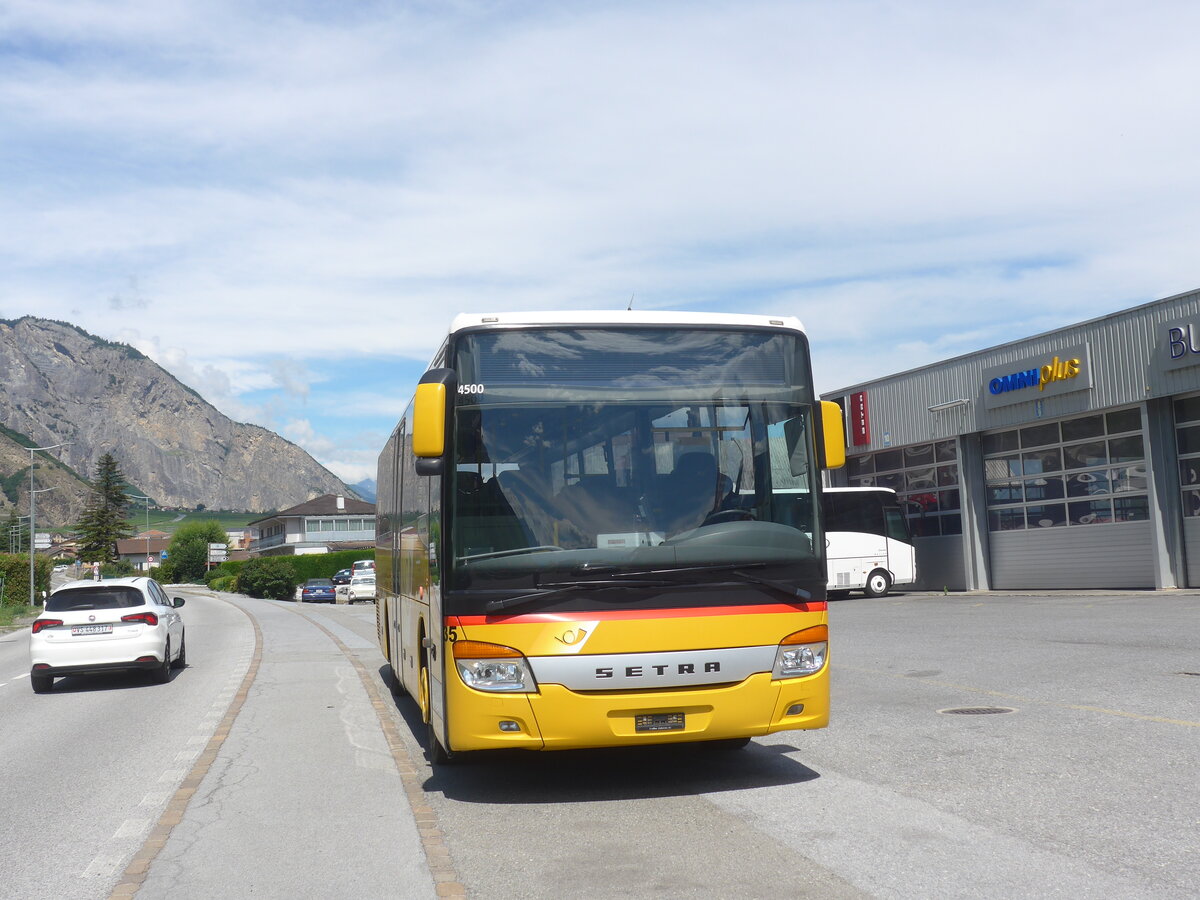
{"points": [[833, 436], [431, 407]]}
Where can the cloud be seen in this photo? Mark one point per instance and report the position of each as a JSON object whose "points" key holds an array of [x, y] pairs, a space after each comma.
{"points": [[291, 376], [299, 188]]}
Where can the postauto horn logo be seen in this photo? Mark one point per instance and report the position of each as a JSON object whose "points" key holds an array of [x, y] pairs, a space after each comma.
{"points": [[1056, 370]]}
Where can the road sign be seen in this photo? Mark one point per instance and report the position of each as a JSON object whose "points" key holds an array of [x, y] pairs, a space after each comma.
{"points": [[163, 555], [218, 546], [149, 560]]}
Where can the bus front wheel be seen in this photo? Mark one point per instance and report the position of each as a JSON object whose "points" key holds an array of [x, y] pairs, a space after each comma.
{"points": [[434, 751], [879, 583]]}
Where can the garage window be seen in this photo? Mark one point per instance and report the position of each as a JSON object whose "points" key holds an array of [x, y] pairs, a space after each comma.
{"points": [[1187, 442], [1096, 464], [925, 476]]}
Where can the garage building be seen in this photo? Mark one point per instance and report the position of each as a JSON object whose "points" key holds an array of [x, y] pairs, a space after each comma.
{"points": [[1069, 459]]}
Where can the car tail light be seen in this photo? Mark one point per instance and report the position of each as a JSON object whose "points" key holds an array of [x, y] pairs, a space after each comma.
{"points": [[148, 618], [39, 624]]}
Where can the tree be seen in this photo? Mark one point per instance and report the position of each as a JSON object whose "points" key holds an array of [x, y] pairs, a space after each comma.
{"points": [[103, 522], [187, 556]]}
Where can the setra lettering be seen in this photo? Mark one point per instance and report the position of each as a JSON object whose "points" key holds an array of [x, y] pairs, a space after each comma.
{"points": [[659, 669]]}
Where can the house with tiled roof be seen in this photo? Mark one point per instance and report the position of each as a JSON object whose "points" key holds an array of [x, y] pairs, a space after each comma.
{"points": [[320, 525], [143, 551]]}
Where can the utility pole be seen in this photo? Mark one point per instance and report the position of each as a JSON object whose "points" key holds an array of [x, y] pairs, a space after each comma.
{"points": [[148, 501], [14, 535], [32, 530]]}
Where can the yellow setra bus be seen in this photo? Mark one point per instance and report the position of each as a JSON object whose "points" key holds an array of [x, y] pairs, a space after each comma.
{"points": [[579, 542]]}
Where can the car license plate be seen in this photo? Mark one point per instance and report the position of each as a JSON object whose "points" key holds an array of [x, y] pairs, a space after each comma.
{"points": [[91, 629], [659, 722]]}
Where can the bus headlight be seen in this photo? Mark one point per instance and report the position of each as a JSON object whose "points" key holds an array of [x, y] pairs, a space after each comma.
{"points": [[802, 653], [492, 667]]}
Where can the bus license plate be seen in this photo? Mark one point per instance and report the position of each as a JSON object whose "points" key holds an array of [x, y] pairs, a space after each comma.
{"points": [[659, 722], [91, 629]]}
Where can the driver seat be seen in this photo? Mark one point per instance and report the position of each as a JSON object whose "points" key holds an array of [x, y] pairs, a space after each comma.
{"points": [[694, 489]]}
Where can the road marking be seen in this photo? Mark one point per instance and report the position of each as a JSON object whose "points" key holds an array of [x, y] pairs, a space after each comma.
{"points": [[1163, 720], [132, 828], [102, 866], [157, 798]]}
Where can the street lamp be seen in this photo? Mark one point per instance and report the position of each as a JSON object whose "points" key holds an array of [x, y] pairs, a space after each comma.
{"points": [[32, 494], [148, 501]]}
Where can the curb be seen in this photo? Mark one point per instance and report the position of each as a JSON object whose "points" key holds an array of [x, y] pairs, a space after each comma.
{"points": [[18, 625]]}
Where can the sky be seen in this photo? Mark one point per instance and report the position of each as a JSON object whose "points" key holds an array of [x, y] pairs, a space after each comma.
{"points": [[284, 204]]}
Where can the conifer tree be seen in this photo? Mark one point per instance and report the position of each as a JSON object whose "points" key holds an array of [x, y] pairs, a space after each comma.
{"points": [[103, 522]]}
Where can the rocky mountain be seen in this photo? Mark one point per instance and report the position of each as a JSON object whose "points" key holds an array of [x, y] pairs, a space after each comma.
{"points": [[62, 504], [60, 384], [365, 489]]}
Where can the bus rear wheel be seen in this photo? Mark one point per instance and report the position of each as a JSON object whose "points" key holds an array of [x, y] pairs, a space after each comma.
{"points": [[879, 583]]}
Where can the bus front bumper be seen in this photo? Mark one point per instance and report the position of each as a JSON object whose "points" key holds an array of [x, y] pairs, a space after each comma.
{"points": [[556, 718]]}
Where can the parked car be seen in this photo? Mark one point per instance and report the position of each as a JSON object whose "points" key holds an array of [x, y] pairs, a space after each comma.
{"points": [[318, 590], [362, 565], [342, 577], [362, 587], [89, 627]]}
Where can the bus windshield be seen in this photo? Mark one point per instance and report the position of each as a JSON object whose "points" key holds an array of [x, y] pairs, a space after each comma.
{"points": [[616, 450]]}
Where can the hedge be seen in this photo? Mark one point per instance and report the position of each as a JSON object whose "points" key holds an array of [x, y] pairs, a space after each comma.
{"points": [[227, 576], [270, 577], [326, 565], [14, 567]]}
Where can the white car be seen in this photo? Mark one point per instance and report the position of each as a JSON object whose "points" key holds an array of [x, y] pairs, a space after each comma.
{"points": [[102, 626], [362, 587]]}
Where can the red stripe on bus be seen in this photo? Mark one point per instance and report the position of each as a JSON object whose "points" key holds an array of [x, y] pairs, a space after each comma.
{"points": [[617, 614]]}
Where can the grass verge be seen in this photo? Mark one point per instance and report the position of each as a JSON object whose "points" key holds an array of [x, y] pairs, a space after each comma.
{"points": [[9, 614]]}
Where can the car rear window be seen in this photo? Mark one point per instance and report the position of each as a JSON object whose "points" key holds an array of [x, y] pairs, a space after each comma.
{"points": [[114, 597], [319, 582]]}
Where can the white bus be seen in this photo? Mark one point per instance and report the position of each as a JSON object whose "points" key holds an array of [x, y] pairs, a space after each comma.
{"points": [[868, 545]]}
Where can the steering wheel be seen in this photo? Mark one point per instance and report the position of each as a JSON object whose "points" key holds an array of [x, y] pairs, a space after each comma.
{"points": [[729, 515]]}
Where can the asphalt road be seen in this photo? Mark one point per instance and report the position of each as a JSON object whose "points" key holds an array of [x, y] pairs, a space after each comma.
{"points": [[1083, 785]]}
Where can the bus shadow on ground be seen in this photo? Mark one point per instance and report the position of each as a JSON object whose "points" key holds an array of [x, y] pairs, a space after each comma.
{"points": [[618, 773]]}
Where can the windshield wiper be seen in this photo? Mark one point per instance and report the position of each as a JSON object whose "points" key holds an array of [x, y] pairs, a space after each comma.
{"points": [[554, 589], [792, 592]]}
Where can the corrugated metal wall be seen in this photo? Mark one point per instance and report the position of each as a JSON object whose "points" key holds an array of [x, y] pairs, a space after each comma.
{"points": [[1096, 556], [940, 563], [1122, 349]]}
